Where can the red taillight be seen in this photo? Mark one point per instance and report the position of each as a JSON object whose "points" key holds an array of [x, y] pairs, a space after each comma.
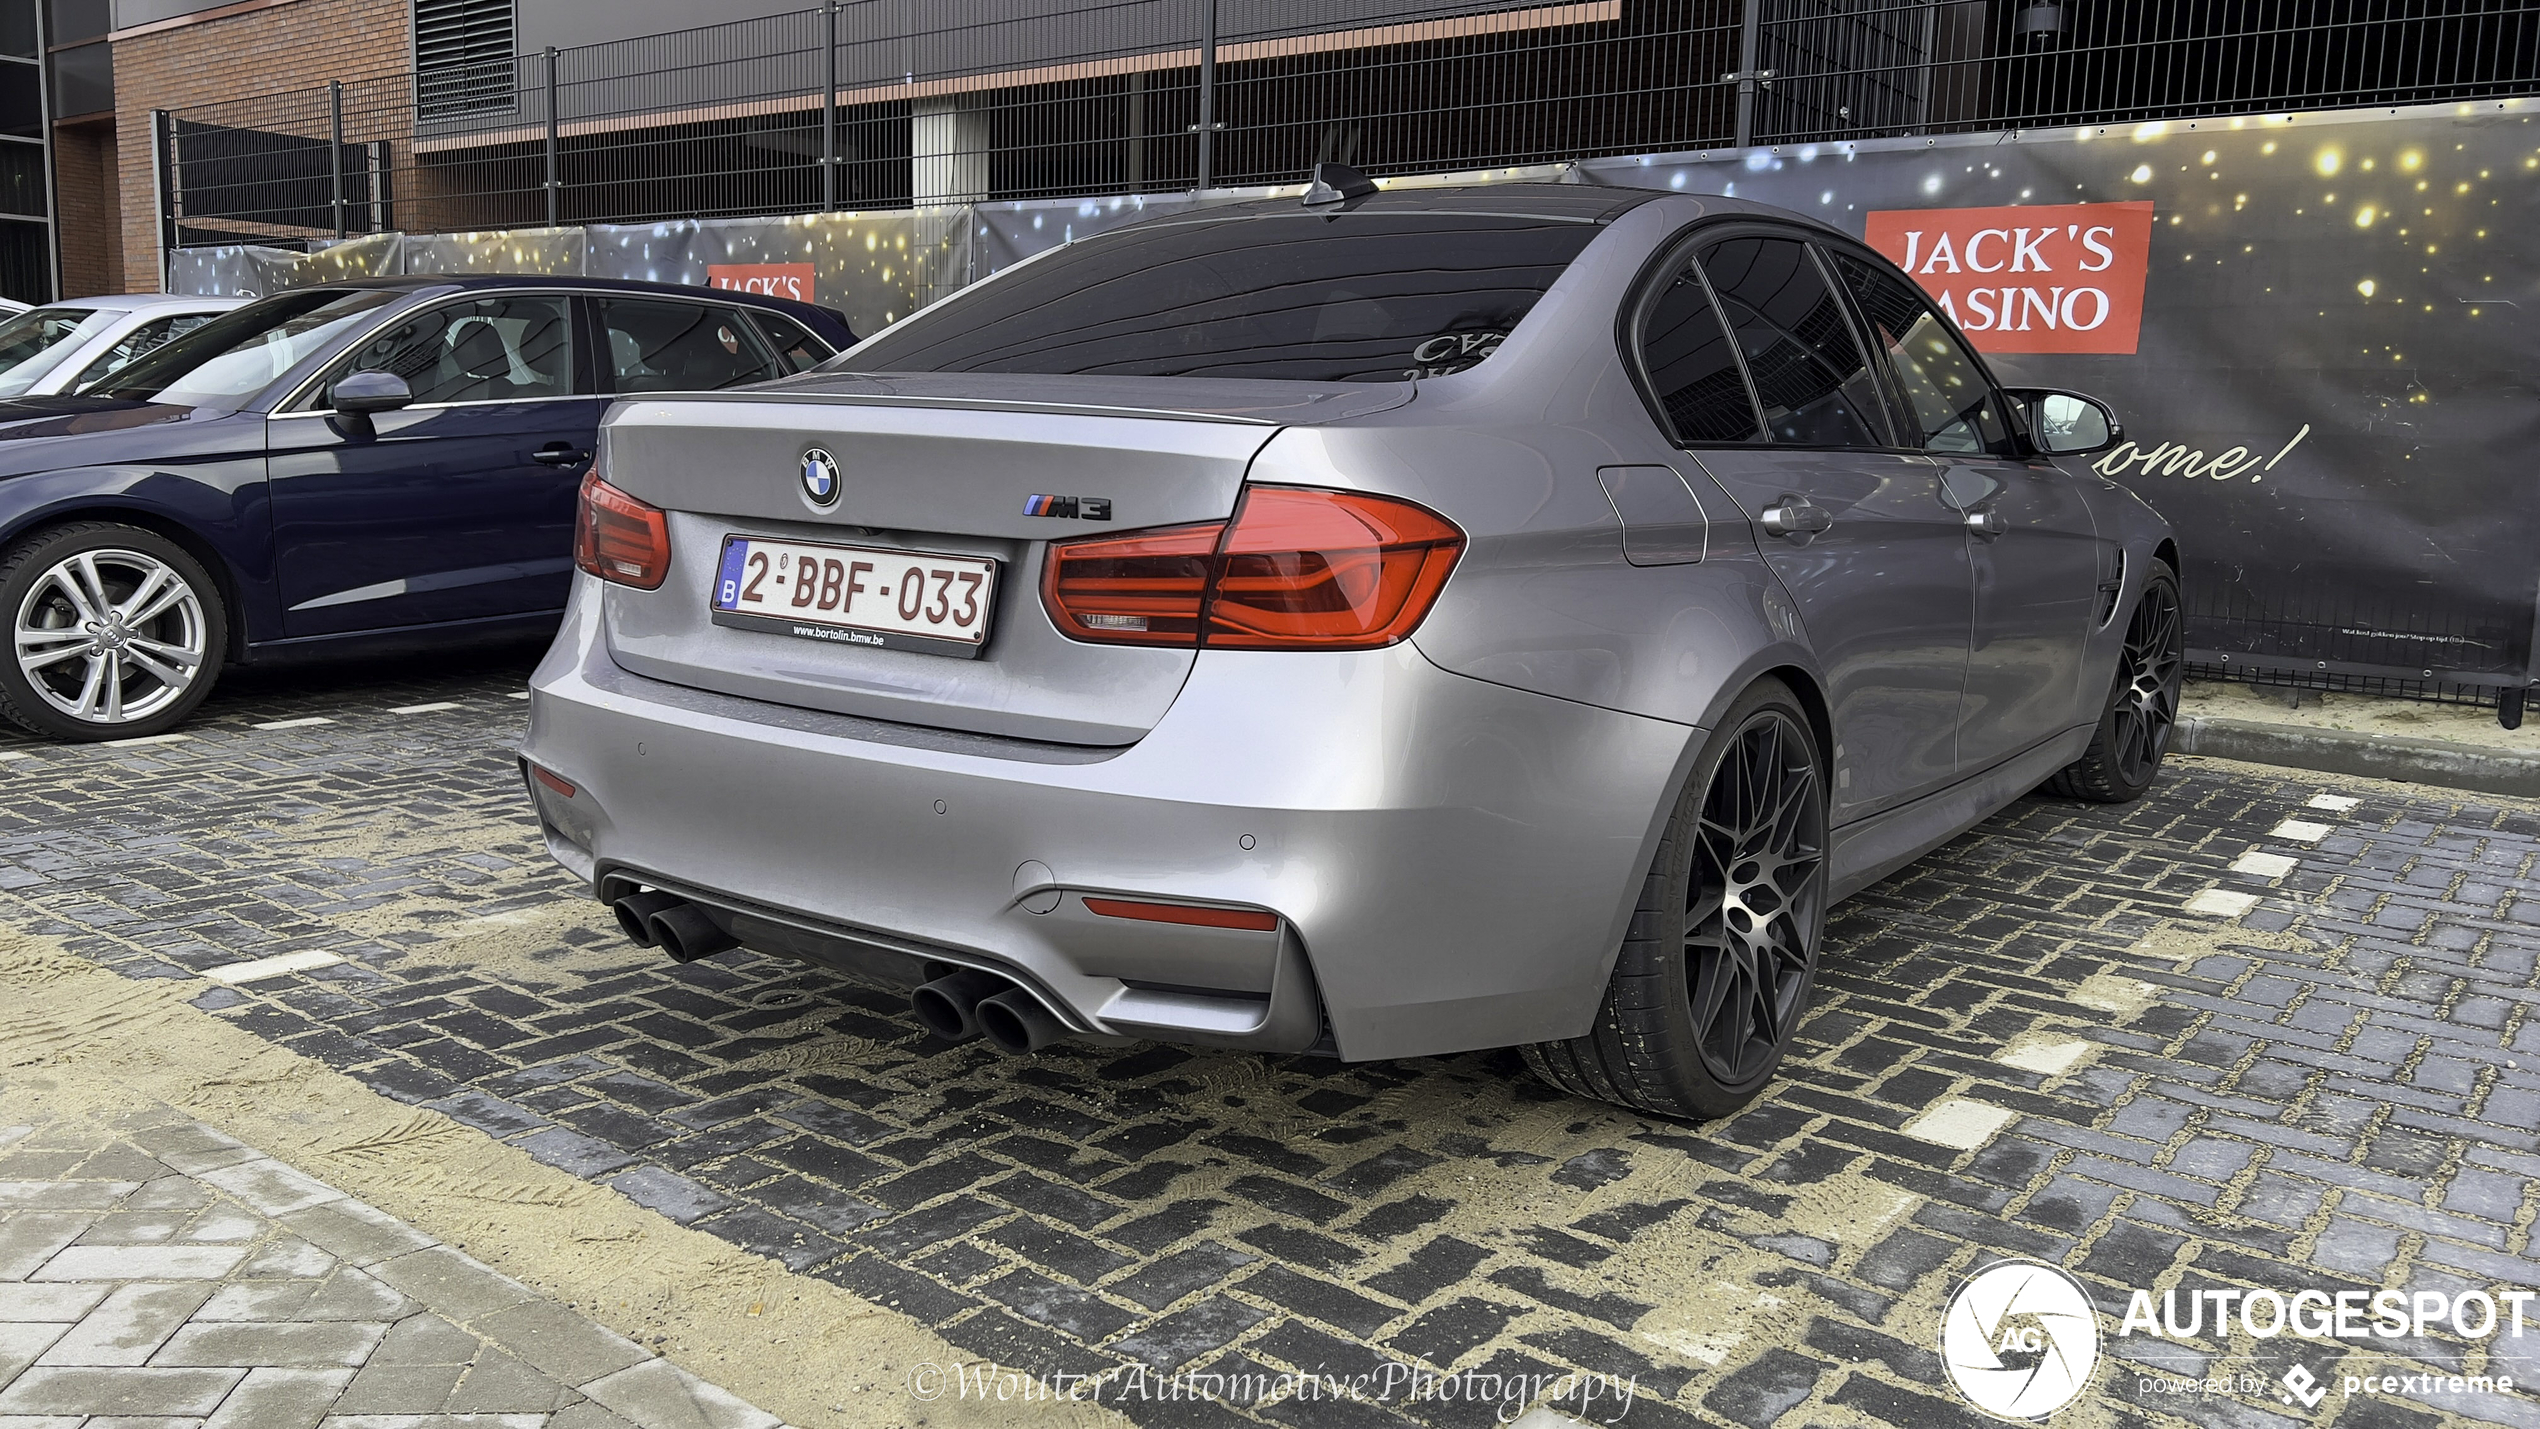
{"points": [[1184, 913], [1141, 589], [619, 538], [1297, 569], [551, 781]]}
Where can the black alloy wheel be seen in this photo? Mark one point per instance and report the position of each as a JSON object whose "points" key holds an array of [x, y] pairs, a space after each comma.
{"points": [[1756, 898], [1716, 970], [2135, 726]]}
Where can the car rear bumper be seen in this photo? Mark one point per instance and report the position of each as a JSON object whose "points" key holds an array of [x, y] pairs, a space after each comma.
{"points": [[1450, 862]]}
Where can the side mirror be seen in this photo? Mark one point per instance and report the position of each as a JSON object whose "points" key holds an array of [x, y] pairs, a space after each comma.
{"points": [[358, 394], [2066, 423]]}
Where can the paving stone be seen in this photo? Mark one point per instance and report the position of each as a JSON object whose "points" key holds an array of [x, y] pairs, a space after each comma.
{"points": [[65, 1303], [659, 1395], [555, 1340], [119, 1390], [1760, 1392], [355, 1233], [129, 1327], [274, 1398], [497, 1383], [327, 1345], [139, 1262], [268, 1187], [450, 1283]]}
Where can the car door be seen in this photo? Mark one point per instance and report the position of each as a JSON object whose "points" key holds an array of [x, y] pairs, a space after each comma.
{"points": [[458, 507], [1760, 374], [2031, 545]]}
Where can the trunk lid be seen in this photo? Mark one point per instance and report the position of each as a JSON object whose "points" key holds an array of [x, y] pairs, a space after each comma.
{"points": [[945, 466]]}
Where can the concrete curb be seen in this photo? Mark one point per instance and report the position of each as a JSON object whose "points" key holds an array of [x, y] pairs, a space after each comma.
{"points": [[2364, 756]]}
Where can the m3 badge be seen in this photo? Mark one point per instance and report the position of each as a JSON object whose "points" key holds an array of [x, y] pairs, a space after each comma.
{"points": [[1069, 508]]}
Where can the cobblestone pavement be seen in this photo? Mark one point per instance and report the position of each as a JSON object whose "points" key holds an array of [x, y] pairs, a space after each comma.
{"points": [[160, 1275], [2257, 1032]]}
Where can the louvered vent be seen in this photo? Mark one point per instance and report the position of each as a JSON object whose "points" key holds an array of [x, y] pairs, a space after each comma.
{"points": [[463, 56]]}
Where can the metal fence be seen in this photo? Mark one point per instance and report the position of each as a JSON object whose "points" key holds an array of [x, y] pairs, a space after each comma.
{"points": [[864, 105]]}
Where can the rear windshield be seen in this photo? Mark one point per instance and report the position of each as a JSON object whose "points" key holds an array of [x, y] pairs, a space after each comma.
{"points": [[1308, 297]]}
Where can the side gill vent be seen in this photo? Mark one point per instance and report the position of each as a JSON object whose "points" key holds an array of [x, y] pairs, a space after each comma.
{"points": [[2110, 590]]}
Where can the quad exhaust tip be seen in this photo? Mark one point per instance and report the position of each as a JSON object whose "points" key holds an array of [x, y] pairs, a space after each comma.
{"points": [[949, 1006], [1015, 1023], [969, 1003], [672, 924]]}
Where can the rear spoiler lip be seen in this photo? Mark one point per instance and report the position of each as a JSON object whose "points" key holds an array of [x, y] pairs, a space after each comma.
{"points": [[972, 404]]}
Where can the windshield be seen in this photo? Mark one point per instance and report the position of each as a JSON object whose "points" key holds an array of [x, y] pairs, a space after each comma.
{"points": [[34, 343], [1302, 296], [238, 354]]}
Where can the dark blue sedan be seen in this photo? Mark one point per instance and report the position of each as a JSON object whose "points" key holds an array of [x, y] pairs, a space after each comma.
{"points": [[362, 466]]}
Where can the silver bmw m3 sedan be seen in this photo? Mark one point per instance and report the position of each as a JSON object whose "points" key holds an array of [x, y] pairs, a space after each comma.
{"points": [[1382, 625]]}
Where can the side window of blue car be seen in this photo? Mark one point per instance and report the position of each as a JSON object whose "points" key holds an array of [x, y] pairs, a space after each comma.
{"points": [[681, 347], [495, 349]]}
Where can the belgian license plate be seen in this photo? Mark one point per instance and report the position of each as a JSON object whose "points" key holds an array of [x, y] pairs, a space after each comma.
{"points": [[856, 595]]}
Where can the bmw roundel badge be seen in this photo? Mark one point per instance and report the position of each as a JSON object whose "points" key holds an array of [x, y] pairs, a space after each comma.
{"points": [[820, 478]]}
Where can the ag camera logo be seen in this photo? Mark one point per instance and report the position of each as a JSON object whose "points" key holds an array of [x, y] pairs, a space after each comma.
{"points": [[820, 478], [2020, 1339]]}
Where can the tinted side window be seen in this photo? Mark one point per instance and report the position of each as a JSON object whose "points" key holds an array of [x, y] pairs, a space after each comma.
{"points": [[1950, 406], [1311, 297], [1692, 369], [1815, 387], [796, 349], [681, 347], [490, 350]]}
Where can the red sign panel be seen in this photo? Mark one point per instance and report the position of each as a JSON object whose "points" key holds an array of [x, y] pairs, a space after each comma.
{"points": [[2035, 278], [776, 280]]}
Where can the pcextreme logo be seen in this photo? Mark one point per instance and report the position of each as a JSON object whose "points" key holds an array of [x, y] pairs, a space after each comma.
{"points": [[2032, 278], [2020, 1339]]}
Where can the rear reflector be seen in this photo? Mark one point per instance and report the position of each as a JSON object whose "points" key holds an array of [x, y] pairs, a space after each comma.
{"points": [[1296, 569], [619, 538], [551, 781], [1244, 918]]}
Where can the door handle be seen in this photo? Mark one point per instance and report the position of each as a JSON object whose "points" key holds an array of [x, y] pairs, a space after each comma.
{"points": [[558, 454], [1795, 516], [1987, 523]]}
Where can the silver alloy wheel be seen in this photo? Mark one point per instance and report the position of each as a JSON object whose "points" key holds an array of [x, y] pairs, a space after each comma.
{"points": [[110, 636]]}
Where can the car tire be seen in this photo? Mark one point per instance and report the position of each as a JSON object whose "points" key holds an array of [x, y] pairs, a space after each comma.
{"points": [[1721, 954], [116, 632], [2134, 730]]}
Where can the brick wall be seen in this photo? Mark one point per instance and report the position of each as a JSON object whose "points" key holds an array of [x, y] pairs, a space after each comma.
{"points": [[89, 191], [255, 47]]}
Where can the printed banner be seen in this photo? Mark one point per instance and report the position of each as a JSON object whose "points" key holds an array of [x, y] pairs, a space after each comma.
{"points": [[776, 280], [2035, 278]]}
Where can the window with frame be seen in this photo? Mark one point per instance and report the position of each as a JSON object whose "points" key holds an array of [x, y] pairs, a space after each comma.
{"points": [[1811, 379], [137, 344], [1949, 405], [1692, 369], [681, 347], [496, 349], [796, 348]]}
